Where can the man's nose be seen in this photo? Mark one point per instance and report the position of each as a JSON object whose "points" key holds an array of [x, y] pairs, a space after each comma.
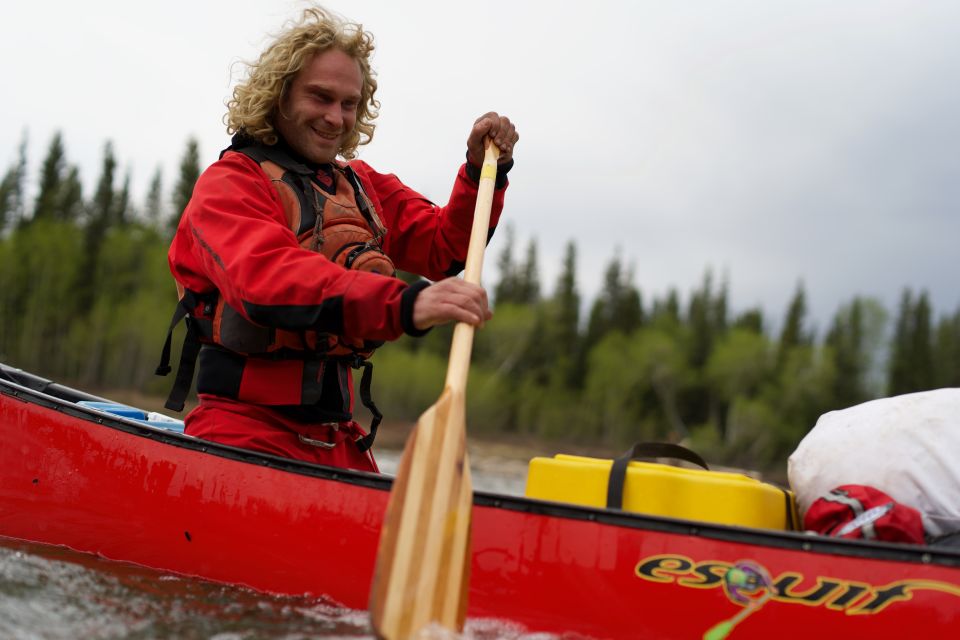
{"points": [[334, 116]]}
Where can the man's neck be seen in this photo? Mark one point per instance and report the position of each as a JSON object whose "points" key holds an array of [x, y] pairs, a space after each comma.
{"points": [[325, 167]]}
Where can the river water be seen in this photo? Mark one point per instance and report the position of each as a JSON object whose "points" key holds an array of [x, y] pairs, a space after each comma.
{"points": [[54, 594]]}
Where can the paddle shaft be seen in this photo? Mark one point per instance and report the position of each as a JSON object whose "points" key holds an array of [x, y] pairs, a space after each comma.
{"points": [[462, 345], [423, 562]]}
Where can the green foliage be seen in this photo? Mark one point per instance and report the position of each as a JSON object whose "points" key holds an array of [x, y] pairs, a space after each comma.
{"points": [[566, 299], [131, 309], [619, 306], [564, 353], [854, 343], [912, 365], [739, 365], [706, 322], [85, 293], [37, 297], [551, 411], [667, 310], [947, 351], [751, 320], [506, 343], [519, 283], [707, 319], [794, 333], [407, 382], [613, 390], [660, 355], [70, 201]]}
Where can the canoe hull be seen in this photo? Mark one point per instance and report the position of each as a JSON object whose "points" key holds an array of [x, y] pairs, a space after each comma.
{"points": [[127, 492]]}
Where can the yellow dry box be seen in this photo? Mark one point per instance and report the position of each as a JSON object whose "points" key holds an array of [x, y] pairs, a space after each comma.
{"points": [[664, 490]]}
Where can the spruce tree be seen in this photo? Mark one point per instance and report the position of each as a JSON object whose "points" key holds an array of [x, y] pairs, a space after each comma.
{"points": [[794, 333], [7, 187], [719, 308], [528, 286], [628, 314], [898, 379], [619, 307], [707, 322], [505, 290], [666, 310], [847, 343], [123, 212], [702, 320], [70, 200], [750, 320], [12, 189], [569, 356], [51, 180], [100, 217], [567, 298], [912, 366], [183, 190], [922, 371], [153, 207], [104, 198], [947, 350]]}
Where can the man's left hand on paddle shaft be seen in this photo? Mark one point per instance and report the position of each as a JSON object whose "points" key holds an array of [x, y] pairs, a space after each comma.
{"points": [[499, 129]]}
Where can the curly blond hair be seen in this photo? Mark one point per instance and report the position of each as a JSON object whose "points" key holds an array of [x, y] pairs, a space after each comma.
{"points": [[256, 100]]}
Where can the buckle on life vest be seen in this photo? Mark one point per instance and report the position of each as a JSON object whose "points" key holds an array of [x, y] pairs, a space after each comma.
{"points": [[320, 443]]}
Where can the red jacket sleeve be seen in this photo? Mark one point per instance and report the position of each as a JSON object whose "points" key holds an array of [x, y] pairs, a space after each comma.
{"points": [[233, 237], [422, 237]]}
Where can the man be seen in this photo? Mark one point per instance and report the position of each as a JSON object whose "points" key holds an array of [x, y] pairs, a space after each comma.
{"points": [[285, 257]]}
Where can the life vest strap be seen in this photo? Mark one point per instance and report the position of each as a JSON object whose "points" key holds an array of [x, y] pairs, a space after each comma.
{"points": [[164, 367], [366, 398], [188, 352], [185, 370]]}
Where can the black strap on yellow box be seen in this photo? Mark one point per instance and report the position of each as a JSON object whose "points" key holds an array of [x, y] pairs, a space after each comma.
{"points": [[649, 451]]}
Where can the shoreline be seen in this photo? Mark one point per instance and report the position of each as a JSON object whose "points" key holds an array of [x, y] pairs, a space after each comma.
{"points": [[393, 434]]}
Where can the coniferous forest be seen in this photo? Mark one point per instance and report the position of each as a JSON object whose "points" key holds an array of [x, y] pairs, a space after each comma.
{"points": [[86, 297]]}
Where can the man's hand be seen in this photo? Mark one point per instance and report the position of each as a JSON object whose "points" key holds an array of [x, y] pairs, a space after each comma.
{"points": [[500, 130], [449, 300]]}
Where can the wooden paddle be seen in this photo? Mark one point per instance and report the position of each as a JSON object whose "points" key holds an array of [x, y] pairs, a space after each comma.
{"points": [[423, 563]]}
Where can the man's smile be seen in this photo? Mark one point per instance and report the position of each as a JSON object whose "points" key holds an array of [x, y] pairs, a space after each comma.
{"points": [[327, 135]]}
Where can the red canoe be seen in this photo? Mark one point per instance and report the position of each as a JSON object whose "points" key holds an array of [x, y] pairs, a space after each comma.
{"points": [[74, 476]]}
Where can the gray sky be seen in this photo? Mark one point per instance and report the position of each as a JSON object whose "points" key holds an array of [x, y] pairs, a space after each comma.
{"points": [[770, 141]]}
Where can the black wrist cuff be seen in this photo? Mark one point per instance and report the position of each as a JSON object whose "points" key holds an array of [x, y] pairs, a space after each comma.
{"points": [[502, 169], [407, 298]]}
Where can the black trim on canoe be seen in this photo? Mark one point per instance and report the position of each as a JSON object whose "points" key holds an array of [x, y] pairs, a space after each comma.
{"points": [[34, 389]]}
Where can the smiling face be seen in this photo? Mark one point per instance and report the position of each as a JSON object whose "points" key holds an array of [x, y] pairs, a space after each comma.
{"points": [[319, 109]]}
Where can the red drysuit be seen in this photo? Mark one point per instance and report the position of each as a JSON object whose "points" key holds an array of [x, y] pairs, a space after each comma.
{"points": [[236, 243]]}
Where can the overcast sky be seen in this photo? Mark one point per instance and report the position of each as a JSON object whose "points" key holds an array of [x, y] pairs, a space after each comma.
{"points": [[771, 141]]}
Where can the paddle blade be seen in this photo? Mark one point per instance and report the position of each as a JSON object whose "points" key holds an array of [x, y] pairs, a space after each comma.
{"points": [[424, 557]]}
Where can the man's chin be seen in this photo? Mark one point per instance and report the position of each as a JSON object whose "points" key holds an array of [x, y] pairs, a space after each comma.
{"points": [[321, 156]]}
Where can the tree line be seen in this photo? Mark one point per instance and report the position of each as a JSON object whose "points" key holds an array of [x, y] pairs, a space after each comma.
{"points": [[86, 297], [85, 291]]}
